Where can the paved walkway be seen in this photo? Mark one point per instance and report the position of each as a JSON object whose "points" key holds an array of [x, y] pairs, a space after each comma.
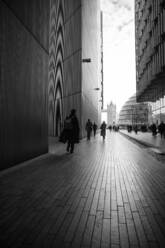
{"points": [[106, 194], [148, 140]]}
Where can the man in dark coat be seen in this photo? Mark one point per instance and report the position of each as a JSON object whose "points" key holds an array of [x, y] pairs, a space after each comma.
{"points": [[161, 129], [73, 134], [94, 128], [88, 128]]}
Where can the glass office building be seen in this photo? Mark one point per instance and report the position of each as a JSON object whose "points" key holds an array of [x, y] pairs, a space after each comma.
{"points": [[133, 113]]}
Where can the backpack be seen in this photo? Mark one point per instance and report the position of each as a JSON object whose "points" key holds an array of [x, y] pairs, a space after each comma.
{"points": [[68, 124]]}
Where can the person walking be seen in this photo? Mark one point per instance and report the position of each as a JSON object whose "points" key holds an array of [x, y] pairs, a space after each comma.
{"points": [[103, 129], [136, 129], [88, 128], [161, 129], [73, 132], [110, 128], [154, 129], [94, 128], [66, 130]]}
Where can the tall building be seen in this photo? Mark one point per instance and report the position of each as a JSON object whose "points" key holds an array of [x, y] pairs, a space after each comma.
{"points": [[150, 54], [49, 63], [75, 62], [111, 114]]}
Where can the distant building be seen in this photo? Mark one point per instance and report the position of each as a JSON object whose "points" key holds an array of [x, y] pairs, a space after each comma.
{"points": [[133, 113], [111, 114], [150, 55]]}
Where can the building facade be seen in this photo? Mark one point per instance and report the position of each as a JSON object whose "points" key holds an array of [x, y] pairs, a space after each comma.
{"points": [[150, 54], [133, 113], [111, 114], [24, 55], [75, 62], [45, 47]]}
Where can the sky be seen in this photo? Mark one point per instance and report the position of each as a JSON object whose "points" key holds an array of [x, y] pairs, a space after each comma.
{"points": [[119, 51]]}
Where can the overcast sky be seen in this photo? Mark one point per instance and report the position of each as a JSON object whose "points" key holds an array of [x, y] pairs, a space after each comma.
{"points": [[119, 51]]}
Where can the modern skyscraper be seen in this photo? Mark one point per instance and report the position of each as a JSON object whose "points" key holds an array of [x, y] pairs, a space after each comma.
{"points": [[150, 54]]}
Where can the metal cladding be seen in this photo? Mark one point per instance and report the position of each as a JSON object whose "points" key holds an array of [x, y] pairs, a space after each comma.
{"points": [[56, 67], [42, 76], [24, 54], [74, 62]]}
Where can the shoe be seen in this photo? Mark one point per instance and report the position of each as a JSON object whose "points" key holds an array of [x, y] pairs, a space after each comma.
{"points": [[71, 151]]}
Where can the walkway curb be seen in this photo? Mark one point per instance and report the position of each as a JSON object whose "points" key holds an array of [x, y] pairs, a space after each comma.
{"points": [[154, 149], [138, 141]]}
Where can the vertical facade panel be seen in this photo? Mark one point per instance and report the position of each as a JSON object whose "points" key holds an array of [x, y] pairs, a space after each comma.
{"points": [[91, 72], [23, 86], [150, 54]]}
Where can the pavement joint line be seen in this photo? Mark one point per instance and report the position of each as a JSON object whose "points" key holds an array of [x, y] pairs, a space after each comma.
{"points": [[47, 207]]}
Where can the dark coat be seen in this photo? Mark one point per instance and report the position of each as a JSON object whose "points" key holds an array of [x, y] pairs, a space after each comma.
{"points": [[75, 130]]}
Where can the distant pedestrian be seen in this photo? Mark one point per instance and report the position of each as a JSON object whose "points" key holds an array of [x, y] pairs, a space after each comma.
{"points": [[154, 129], [94, 128], [73, 133], [88, 128], [110, 128], [103, 129], [161, 129], [136, 129]]}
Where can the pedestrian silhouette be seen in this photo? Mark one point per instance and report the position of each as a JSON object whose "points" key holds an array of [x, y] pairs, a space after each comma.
{"points": [[153, 129], [103, 129], [161, 129], [88, 128], [136, 129], [110, 128], [94, 128], [66, 130], [73, 131]]}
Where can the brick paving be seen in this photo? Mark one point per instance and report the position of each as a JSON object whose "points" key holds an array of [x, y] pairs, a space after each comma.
{"points": [[106, 194]]}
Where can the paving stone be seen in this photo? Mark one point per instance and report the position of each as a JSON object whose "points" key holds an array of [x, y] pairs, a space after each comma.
{"points": [[109, 194]]}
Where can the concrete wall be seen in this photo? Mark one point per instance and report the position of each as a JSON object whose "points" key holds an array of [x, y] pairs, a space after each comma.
{"points": [[24, 32], [91, 72]]}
